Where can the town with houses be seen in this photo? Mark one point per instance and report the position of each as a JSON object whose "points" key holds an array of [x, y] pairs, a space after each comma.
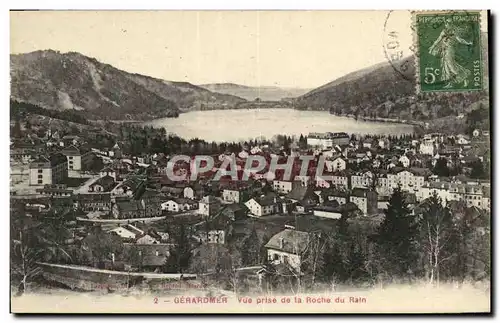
{"points": [[121, 212]]}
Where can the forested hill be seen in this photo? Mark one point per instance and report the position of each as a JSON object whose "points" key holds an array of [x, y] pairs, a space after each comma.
{"points": [[384, 91], [72, 81]]}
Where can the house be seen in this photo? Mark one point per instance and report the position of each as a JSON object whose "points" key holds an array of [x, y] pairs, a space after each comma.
{"points": [[22, 155], [208, 206], [264, 205], [150, 201], [365, 200], [327, 140], [51, 169], [146, 239], [327, 212], [303, 194], [108, 171], [303, 197], [340, 179], [404, 160], [342, 197], [179, 205], [171, 206], [94, 202], [323, 182], [335, 212], [408, 179], [234, 211], [337, 164], [188, 193], [287, 247], [428, 148], [127, 209], [383, 202], [235, 195], [55, 190], [130, 187], [463, 140], [368, 143], [123, 232], [285, 187], [362, 179], [79, 158], [146, 257], [70, 140], [103, 184], [384, 143], [217, 228]]}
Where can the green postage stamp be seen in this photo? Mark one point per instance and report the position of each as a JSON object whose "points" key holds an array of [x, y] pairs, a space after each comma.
{"points": [[449, 52]]}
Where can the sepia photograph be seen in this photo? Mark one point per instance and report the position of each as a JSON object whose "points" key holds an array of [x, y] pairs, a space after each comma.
{"points": [[218, 161]]}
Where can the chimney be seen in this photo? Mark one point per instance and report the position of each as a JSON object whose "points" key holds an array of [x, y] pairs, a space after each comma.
{"points": [[282, 243]]}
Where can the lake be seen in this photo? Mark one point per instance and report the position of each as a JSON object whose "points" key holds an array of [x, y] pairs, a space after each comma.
{"points": [[240, 125]]}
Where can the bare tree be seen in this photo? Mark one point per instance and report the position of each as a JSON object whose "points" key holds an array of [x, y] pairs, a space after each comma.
{"points": [[436, 223], [27, 266]]}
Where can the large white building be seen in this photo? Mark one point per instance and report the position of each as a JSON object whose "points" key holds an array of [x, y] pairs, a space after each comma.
{"points": [[337, 164], [79, 158], [265, 205], [409, 179], [328, 140], [366, 200], [428, 147], [285, 187], [48, 170], [287, 247], [472, 195], [362, 180]]}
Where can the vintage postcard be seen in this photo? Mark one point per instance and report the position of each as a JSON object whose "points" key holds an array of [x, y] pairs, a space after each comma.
{"points": [[250, 162]]}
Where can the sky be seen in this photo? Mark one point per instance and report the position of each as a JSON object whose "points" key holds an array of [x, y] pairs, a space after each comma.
{"points": [[304, 49]]}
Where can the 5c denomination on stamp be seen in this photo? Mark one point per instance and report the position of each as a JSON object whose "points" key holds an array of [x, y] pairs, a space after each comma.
{"points": [[448, 51]]}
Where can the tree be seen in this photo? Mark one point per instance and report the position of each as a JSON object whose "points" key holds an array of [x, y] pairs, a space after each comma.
{"points": [[441, 167], [102, 247], [250, 256], [180, 255], [477, 170], [436, 225], [333, 268], [355, 263], [31, 243], [396, 237]]}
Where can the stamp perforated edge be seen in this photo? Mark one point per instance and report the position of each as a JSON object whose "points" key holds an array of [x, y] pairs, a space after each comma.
{"points": [[414, 14]]}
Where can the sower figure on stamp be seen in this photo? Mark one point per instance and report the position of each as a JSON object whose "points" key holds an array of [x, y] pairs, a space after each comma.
{"points": [[444, 47]]}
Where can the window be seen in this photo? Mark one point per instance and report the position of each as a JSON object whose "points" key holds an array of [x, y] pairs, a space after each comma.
{"points": [[40, 181], [40, 171], [40, 176]]}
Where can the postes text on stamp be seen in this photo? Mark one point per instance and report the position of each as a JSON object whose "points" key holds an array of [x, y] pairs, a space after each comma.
{"points": [[448, 51]]}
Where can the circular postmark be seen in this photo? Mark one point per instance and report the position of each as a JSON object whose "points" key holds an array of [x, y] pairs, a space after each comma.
{"points": [[397, 43], [439, 50]]}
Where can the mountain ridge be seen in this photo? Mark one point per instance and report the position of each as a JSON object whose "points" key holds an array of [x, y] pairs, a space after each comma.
{"points": [[60, 81], [250, 93]]}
